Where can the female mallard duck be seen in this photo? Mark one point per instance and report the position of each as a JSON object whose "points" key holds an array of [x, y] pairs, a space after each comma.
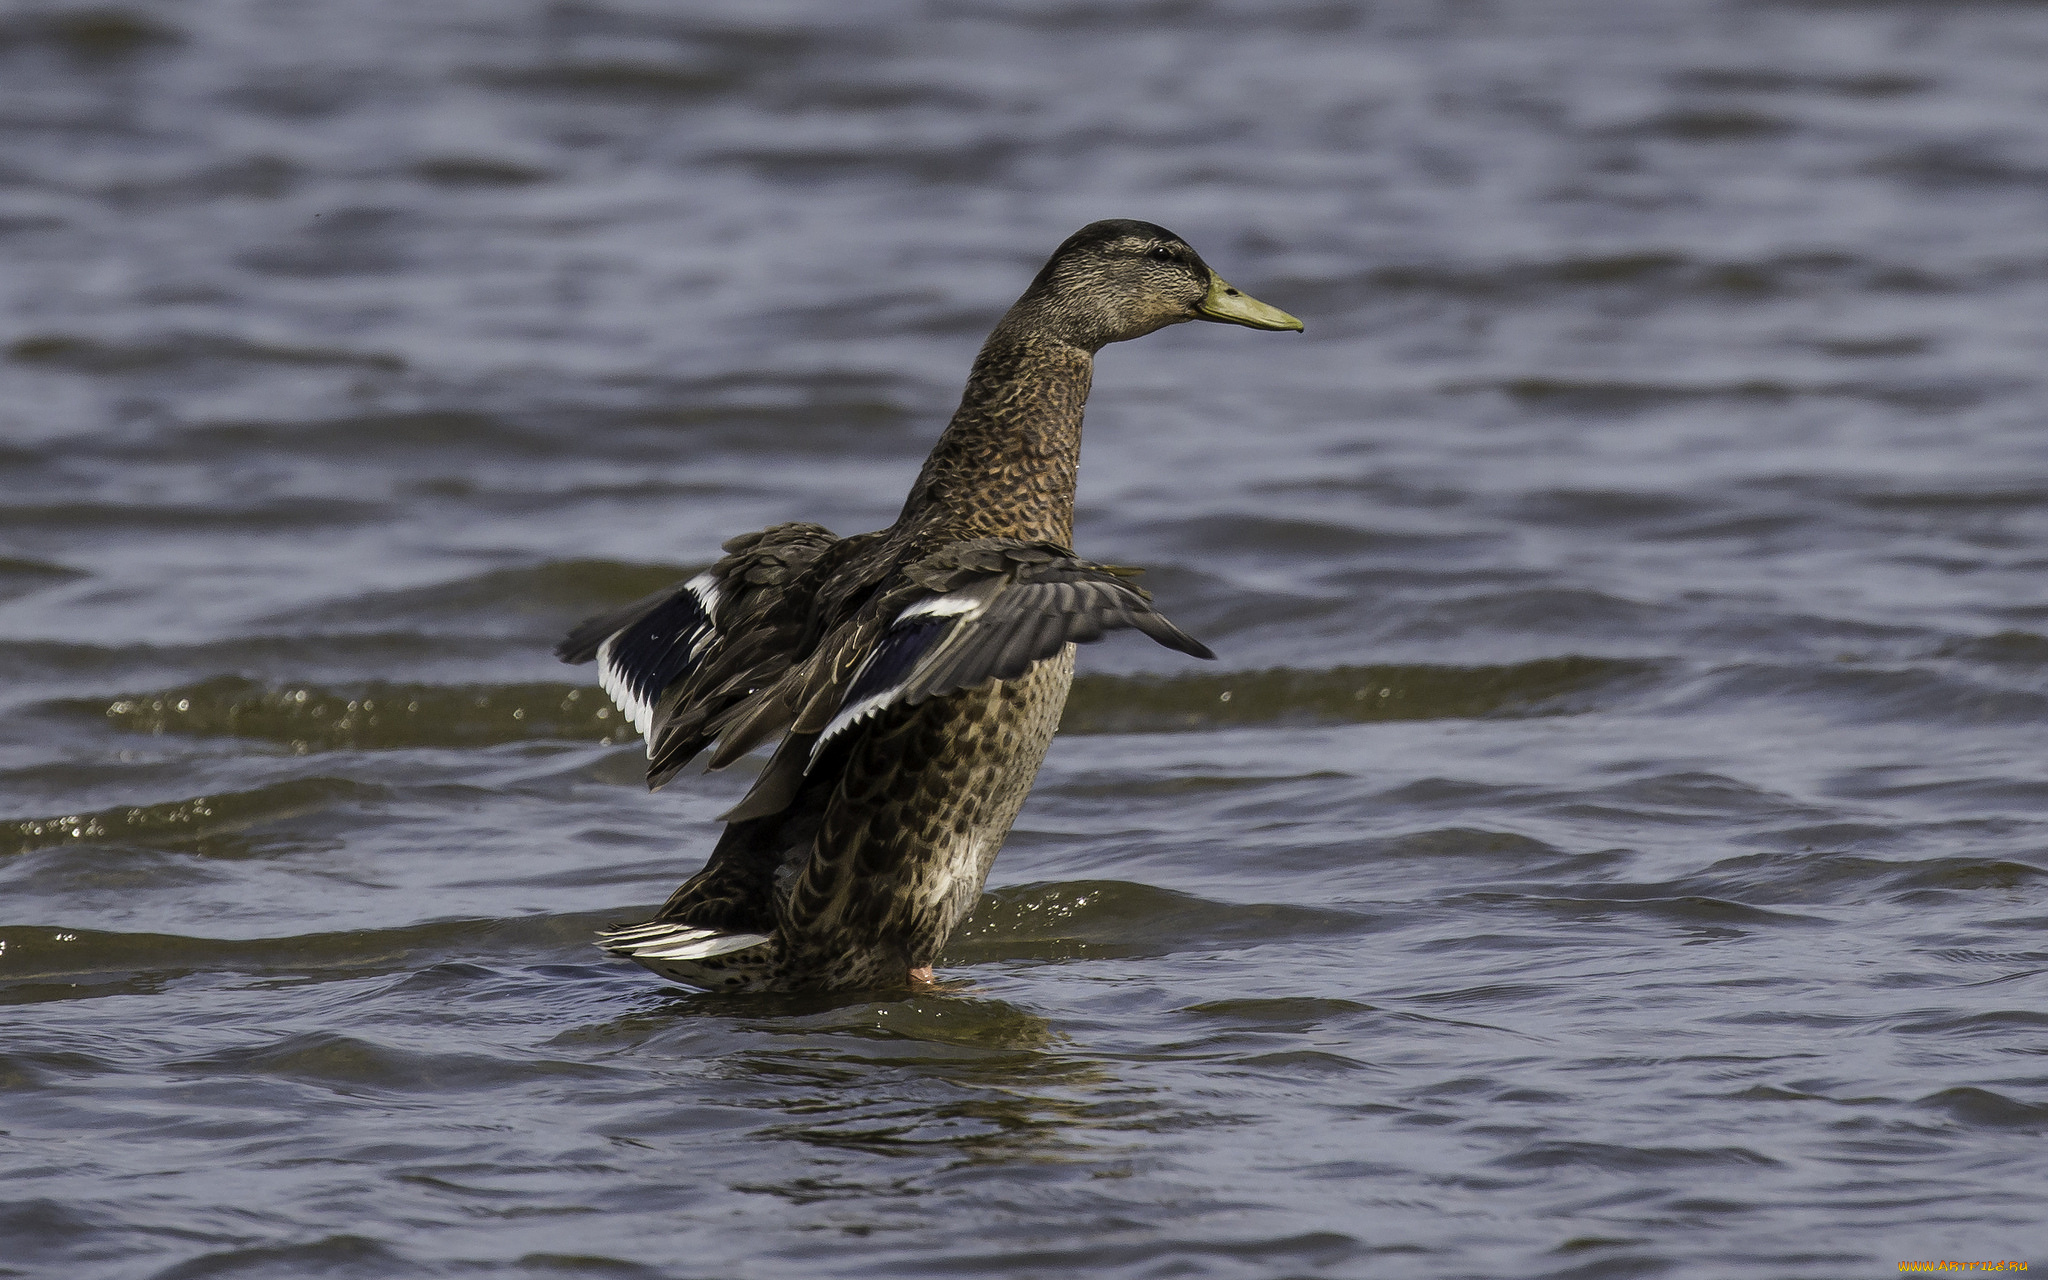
{"points": [[915, 674]]}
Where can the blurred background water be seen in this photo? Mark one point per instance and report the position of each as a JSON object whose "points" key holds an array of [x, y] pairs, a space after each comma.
{"points": [[1610, 845]]}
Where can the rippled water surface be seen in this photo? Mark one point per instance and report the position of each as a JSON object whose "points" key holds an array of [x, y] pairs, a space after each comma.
{"points": [[1611, 844]]}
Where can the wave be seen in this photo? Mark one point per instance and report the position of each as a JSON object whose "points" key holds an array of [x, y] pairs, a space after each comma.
{"points": [[90, 33], [24, 577], [1624, 396], [373, 717], [1069, 919], [179, 822], [1656, 273], [1849, 84], [1871, 694], [103, 518], [386, 716], [1337, 695], [172, 351], [1118, 918], [46, 952]]}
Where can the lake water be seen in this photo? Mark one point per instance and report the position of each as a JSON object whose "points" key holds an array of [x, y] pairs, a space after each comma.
{"points": [[1611, 843]]}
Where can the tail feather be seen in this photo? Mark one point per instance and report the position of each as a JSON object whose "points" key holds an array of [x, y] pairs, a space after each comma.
{"points": [[672, 940]]}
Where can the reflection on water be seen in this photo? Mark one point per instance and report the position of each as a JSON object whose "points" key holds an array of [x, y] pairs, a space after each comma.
{"points": [[1610, 843]]}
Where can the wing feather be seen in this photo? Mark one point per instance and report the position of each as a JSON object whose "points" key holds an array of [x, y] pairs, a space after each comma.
{"points": [[639, 660], [679, 663], [993, 608], [795, 632]]}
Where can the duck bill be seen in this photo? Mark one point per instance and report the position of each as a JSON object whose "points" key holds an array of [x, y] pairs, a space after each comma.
{"points": [[1226, 305]]}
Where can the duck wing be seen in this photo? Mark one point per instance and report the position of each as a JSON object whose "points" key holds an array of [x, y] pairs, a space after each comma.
{"points": [[967, 613], [990, 609], [678, 661]]}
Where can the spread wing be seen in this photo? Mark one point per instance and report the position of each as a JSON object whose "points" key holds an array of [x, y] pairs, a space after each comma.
{"points": [[989, 610], [644, 647], [968, 613], [798, 632], [678, 662]]}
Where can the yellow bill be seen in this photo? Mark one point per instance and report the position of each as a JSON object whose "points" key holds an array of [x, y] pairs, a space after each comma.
{"points": [[1226, 304]]}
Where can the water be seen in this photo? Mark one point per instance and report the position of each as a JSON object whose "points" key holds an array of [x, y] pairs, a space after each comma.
{"points": [[1610, 844]]}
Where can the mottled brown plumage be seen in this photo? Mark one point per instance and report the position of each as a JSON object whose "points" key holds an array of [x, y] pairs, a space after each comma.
{"points": [[915, 674]]}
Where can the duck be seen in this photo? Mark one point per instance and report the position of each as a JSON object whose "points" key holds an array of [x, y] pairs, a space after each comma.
{"points": [[910, 678]]}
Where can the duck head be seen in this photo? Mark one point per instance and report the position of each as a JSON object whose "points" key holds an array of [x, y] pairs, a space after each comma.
{"points": [[1120, 279]]}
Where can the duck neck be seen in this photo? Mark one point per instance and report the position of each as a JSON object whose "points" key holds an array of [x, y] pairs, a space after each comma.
{"points": [[1007, 463]]}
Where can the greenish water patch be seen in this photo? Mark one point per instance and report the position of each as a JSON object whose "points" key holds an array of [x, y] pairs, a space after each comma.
{"points": [[1102, 918], [14, 567], [19, 577], [178, 821], [376, 717], [38, 952], [1336, 695], [89, 355], [387, 716]]}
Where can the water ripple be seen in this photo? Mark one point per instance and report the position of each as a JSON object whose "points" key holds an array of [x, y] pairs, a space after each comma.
{"points": [[1610, 845]]}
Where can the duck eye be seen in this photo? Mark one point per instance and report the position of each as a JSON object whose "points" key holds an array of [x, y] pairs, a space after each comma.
{"points": [[1163, 254]]}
